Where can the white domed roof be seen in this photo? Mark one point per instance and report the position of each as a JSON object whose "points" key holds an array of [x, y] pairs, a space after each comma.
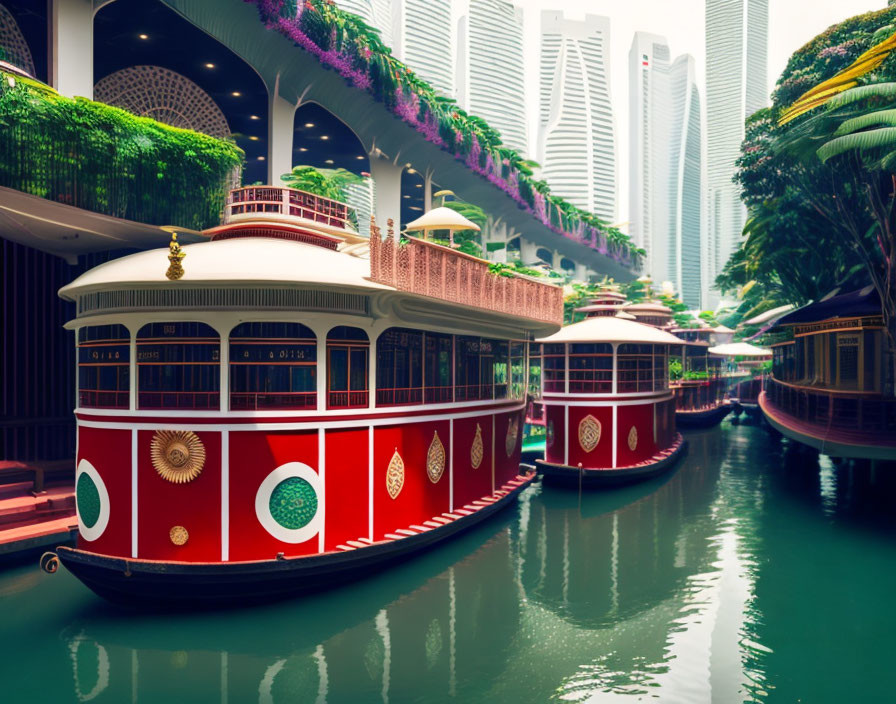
{"points": [[612, 329], [237, 262]]}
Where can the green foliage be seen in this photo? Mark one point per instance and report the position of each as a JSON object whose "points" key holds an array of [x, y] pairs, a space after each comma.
{"points": [[328, 183], [675, 371], [345, 43], [107, 160]]}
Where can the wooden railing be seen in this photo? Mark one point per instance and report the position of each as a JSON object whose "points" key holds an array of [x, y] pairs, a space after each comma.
{"points": [[698, 395], [867, 413], [417, 266], [280, 200]]}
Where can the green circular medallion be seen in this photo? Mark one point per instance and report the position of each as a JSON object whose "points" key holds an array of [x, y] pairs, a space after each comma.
{"points": [[88, 499], [293, 503]]}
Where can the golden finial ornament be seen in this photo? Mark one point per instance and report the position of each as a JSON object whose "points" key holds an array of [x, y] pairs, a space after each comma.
{"points": [[175, 256]]}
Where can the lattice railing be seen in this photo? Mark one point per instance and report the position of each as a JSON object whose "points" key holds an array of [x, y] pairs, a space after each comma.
{"points": [[418, 266], [280, 200]]}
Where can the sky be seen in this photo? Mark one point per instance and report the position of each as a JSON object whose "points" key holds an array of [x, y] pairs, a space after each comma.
{"points": [[792, 23]]}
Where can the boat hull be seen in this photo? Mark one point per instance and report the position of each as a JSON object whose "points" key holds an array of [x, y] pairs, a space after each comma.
{"points": [[702, 419], [563, 475], [152, 583]]}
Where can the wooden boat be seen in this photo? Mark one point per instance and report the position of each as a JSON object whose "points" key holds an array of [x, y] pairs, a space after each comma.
{"points": [[700, 400], [610, 415], [291, 405], [830, 387]]}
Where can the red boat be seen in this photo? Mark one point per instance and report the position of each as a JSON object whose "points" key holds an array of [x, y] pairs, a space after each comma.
{"points": [[287, 405], [609, 412]]}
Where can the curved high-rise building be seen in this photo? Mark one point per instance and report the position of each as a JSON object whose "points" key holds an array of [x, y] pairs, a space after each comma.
{"points": [[490, 68], [736, 87], [665, 164], [577, 148]]}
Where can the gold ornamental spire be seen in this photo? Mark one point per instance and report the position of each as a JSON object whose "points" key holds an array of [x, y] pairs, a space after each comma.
{"points": [[175, 256]]}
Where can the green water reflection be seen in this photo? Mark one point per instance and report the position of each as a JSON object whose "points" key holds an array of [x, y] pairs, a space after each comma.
{"points": [[754, 573]]}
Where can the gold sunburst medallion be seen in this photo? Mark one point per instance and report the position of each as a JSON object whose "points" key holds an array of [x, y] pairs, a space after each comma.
{"points": [[177, 455], [435, 459], [395, 475], [513, 432], [179, 535], [633, 438], [477, 449], [589, 433]]}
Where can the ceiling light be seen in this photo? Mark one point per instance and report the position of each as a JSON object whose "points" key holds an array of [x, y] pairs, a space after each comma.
{"points": [[418, 185], [236, 94], [328, 161], [411, 171], [323, 136], [303, 149], [359, 157], [261, 158], [309, 124], [253, 138], [209, 65], [143, 36], [405, 196], [414, 207], [253, 117]]}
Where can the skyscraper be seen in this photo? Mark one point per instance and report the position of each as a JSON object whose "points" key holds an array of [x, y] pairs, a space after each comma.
{"points": [[577, 147], [419, 32], [665, 181], [736, 86], [489, 80]]}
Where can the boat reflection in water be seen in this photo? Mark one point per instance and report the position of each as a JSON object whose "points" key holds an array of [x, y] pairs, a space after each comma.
{"points": [[618, 593]]}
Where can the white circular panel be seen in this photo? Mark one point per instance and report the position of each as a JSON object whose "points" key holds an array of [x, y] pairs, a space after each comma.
{"points": [[96, 530], [286, 471]]}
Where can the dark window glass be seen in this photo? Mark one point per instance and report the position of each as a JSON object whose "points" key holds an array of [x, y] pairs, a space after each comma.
{"points": [[590, 368], [399, 367], [178, 366], [347, 368], [437, 368], [104, 355], [635, 364], [518, 376], [274, 366]]}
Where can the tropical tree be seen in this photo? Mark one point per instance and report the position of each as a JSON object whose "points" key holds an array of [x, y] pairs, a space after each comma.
{"points": [[328, 183]]}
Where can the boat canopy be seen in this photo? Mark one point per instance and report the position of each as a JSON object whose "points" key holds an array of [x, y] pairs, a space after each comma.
{"points": [[614, 330], [740, 349]]}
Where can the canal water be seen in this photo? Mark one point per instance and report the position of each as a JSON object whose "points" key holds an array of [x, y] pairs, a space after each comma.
{"points": [[756, 572]]}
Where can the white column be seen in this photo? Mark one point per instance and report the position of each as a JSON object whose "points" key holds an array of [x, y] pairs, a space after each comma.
{"points": [[427, 190], [281, 114], [528, 252], [556, 257], [71, 47], [387, 186], [581, 273]]}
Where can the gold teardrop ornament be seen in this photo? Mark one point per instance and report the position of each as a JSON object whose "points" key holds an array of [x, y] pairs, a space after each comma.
{"points": [[633, 438], [589, 433], [477, 450], [177, 455], [395, 475], [435, 459], [513, 433]]}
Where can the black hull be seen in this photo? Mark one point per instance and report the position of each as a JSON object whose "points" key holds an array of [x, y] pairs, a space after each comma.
{"points": [[702, 419], [154, 584], [561, 475]]}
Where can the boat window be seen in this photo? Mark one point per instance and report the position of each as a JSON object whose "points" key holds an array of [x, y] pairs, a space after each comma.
{"points": [[437, 368], [273, 366], [399, 367], [661, 367], [347, 367], [178, 366], [104, 355], [474, 369], [554, 368], [500, 367], [535, 369], [590, 368], [518, 376], [635, 368]]}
